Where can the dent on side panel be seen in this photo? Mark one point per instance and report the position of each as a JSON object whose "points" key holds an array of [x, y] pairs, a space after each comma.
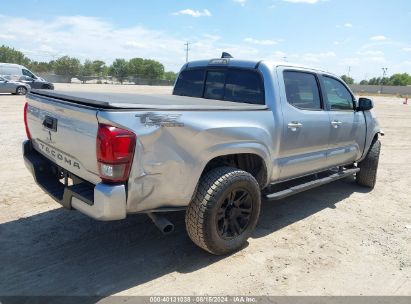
{"points": [[169, 160], [273, 101]]}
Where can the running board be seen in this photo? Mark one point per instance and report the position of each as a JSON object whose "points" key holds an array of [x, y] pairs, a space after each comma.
{"points": [[311, 184]]}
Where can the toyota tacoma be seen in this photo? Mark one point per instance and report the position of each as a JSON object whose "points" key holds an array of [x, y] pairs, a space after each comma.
{"points": [[233, 132]]}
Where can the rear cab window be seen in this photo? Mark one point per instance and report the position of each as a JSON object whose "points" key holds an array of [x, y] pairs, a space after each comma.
{"points": [[231, 84], [214, 85], [243, 86], [190, 83]]}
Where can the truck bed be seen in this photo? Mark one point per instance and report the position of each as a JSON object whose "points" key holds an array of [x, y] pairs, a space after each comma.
{"points": [[143, 101]]}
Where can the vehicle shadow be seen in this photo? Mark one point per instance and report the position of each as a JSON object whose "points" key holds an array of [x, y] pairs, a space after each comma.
{"points": [[61, 252], [278, 214]]}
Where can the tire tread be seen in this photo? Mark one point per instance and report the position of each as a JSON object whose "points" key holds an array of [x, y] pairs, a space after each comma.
{"points": [[369, 165], [206, 196]]}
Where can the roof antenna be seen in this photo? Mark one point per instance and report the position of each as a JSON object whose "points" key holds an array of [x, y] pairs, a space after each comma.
{"points": [[226, 55]]}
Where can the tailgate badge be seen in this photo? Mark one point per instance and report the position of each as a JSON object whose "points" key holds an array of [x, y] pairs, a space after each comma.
{"points": [[161, 120]]}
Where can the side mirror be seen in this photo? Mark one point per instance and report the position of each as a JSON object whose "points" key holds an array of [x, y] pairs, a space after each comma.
{"points": [[365, 104]]}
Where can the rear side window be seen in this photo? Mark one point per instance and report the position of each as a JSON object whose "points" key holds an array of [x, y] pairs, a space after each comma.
{"points": [[237, 85], [302, 90], [338, 96], [190, 83], [244, 86]]}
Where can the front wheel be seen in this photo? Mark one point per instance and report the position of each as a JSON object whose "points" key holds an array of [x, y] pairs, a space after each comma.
{"points": [[224, 211], [21, 91], [368, 166]]}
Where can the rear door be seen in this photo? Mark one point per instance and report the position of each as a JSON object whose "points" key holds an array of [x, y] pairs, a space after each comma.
{"points": [[306, 129], [348, 128]]}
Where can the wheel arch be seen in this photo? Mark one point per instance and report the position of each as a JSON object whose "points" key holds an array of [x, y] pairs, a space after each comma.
{"points": [[20, 86], [250, 162]]}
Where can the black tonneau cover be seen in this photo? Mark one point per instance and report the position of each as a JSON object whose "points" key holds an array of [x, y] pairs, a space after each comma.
{"points": [[143, 101]]}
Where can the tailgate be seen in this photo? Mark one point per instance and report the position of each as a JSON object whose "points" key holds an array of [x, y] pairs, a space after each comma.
{"points": [[66, 134]]}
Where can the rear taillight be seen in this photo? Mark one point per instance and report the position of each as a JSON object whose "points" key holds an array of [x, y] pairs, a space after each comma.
{"points": [[115, 151], [25, 121]]}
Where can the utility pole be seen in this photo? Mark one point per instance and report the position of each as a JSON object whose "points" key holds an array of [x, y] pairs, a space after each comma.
{"points": [[349, 71], [384, 72], [187, 44]]}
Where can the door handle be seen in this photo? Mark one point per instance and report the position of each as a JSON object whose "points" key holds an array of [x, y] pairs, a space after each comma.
{"points": [[294, 125], [336, 123]]}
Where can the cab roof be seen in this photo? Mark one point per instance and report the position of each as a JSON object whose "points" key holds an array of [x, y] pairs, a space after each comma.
{"points": [[248, 64], [12, 64]]}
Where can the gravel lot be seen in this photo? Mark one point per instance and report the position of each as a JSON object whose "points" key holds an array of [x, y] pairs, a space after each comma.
{"points": [[339, 239]]}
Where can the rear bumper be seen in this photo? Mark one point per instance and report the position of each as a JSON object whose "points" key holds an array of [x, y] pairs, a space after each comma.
{"points": [[101, 201]]}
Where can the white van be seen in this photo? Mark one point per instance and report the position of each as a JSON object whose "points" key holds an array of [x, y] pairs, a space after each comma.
{"points": [[15, 71]]}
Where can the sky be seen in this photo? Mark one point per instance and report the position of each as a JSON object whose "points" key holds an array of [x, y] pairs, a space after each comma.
{"points": [[358, 38]]}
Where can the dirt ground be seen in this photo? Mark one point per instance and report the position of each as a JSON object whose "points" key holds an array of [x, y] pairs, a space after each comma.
{"points": [[339, 239]]}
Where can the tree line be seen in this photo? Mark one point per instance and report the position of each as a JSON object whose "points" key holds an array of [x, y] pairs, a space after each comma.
{"points": [[399, 79], [136, 68], [121, 69]]}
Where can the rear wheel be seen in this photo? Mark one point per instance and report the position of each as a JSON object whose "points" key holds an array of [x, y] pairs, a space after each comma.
{"points": [[21, 91], [224, 211], [368, 166]]}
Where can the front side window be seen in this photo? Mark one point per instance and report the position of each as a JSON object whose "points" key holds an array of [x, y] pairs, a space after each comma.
{"points": [[190, 83], [28, 73], [338, 96], [302, 90]]}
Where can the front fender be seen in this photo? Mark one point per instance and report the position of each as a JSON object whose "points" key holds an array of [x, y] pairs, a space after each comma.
{"points": [[373, 130]]}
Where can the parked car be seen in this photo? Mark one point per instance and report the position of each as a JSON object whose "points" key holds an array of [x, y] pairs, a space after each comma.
{"points": [[13, 87], [37, 83], [233, 131], [20, 73]]}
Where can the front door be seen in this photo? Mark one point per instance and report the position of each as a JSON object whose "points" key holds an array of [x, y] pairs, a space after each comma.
{"points": [[306, 128], [348, 130]]}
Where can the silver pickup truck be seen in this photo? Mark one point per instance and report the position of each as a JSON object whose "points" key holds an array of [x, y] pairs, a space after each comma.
{"points": [[232, 132]]}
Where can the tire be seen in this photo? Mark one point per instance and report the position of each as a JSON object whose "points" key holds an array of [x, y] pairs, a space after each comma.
{"points": [[21, 91], [368, 166], [224, 211]]}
